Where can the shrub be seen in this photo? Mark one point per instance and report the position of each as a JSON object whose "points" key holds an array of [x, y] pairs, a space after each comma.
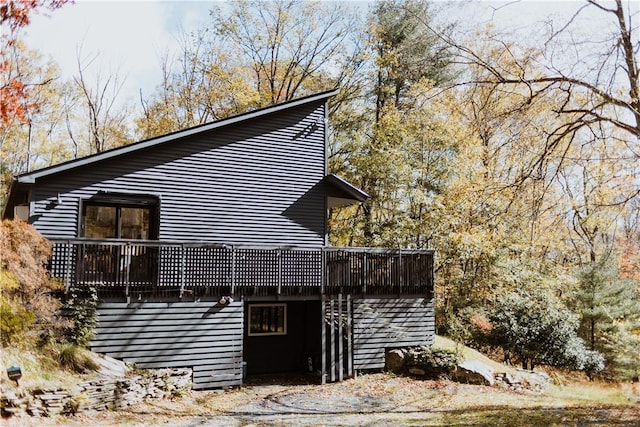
{"points": [[15, 321], [29, 304], [537, 328], [82, 305], [433, 361]]}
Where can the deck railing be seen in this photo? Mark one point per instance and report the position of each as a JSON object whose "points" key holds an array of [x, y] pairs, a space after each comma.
{"points": [[157, 269]]}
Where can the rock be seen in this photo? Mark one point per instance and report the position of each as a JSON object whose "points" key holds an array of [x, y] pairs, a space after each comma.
{"points": [[537, 381], [395, 360], [473, 372], [109, 366], [524, 381], [417, 371], [510, 379]]}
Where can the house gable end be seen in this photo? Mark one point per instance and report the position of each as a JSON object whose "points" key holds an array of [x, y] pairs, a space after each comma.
{"points": [[232, 184], [240, 119]]}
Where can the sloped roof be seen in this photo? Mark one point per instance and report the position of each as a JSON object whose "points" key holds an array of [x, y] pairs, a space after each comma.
{"points": [[341, 192], [344, 193], [30, 177]]}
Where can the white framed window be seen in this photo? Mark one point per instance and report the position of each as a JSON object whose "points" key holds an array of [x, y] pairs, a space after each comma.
{"points": [[267, 319]]}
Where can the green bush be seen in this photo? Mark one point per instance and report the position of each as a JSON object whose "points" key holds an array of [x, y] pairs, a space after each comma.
{"points": [[15, 322], [433, 361], [82, 305], [536, 328]]}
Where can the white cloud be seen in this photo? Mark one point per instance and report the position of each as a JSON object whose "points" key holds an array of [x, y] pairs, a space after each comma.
{"points": [[127, 35], [130, 35]]}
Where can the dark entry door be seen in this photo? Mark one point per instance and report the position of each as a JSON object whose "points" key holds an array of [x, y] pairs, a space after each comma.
{"points": [[282, 337]]}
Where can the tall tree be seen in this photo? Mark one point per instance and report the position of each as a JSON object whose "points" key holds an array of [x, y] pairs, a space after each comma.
{"points": [[23, 82], [95, 121], [390, 143], [252, 54], [31, 137], [291, 45], [204, 83], [597, 82], [405, 51], [14, 89], [610, 321]]}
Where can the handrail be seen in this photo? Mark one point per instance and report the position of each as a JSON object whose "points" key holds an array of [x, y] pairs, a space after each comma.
{"points": [[138, 267], [212, 244]]}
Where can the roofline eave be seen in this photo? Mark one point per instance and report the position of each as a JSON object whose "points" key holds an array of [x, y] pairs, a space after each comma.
{"points": [[31, 177], [351, 190]]}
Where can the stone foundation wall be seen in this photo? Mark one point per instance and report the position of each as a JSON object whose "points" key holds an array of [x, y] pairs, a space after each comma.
{"points": [[98, 395]]}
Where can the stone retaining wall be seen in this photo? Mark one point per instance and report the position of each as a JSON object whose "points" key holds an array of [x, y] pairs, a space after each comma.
{"points": [[98, 395]]}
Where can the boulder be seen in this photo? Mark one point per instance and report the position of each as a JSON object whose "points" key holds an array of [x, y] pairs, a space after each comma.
{"points": [[417, 371], [110, 367], [473, 372], [395, 360]]}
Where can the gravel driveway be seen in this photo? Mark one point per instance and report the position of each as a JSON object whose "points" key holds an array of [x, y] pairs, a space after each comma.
{"points": [[369, 400]]}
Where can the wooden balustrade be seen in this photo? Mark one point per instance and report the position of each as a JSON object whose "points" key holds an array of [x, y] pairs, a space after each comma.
{"points": [[157, 269]]}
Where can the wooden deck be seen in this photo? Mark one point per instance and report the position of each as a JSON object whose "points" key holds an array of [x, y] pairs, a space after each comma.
{"points": [[142, 270]]}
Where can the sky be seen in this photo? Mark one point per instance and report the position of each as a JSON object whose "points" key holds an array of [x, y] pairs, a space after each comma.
{"points": [[129, 36]]}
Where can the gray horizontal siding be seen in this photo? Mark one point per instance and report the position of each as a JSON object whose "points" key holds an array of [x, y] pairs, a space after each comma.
{"points": [[250, 183], [202, 336], [379, 324]]}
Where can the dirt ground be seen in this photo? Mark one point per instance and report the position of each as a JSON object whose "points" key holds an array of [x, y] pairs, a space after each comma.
{"points": [[369, 400]]}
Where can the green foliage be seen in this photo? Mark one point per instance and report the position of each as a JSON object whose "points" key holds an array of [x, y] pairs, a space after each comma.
{"points": [[406, 50], [15, 323], [537, 328], [433, 361], [29, 305], [82, 303], [609, 316], [76, 359]]}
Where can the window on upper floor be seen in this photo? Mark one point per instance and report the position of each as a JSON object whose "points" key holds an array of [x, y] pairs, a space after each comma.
{"points": [[120, 217]]}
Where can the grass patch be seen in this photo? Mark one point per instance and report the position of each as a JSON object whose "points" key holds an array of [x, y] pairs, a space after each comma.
{"points": [[595, 393], [77, 359], [40, 369]]}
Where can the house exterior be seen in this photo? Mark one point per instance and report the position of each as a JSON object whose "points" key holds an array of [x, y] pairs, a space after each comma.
{"points": [[208, 249]]}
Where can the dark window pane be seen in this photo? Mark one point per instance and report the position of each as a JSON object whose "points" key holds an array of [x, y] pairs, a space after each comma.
{"points": [[134, 223], [101, 222], [267, 319]]}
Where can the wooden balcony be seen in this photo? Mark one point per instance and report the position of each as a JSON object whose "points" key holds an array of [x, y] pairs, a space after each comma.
{"points": [[159, 270]]}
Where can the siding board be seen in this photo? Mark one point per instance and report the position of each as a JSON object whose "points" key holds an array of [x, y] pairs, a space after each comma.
{"points": [[202, 336], [380, 324], [251, 183]]}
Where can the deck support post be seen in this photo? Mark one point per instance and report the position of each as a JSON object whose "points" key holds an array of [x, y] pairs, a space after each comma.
{"points": [[332, 327], [340, 341], [349, 339], [323, 339]]}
